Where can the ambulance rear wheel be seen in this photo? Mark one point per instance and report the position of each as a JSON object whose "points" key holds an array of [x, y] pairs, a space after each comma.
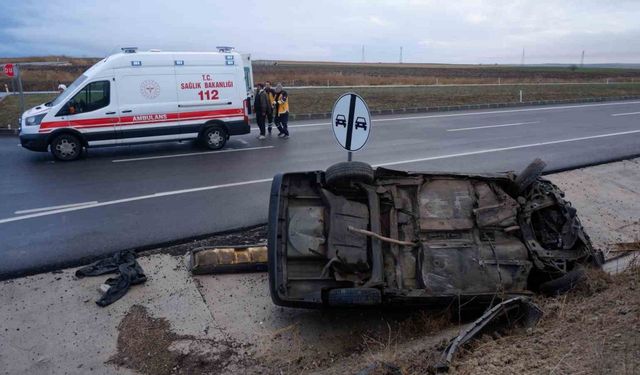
{"points": [[66, 147], [214, 138]]}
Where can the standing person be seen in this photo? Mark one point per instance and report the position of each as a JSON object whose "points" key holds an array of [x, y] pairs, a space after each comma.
{"points": [[281, 107], [271, 94], [260, 107]]}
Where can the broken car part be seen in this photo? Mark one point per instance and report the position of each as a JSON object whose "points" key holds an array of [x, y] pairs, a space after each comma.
{"points": [[227, 259], [517, 311]]}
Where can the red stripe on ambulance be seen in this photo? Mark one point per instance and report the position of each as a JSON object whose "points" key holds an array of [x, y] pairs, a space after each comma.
{"points": [[141, 119]]}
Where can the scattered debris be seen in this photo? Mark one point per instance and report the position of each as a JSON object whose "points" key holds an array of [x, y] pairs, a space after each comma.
{"points": [[227, 259], [509, 313], [129, 273], [594, 329]]}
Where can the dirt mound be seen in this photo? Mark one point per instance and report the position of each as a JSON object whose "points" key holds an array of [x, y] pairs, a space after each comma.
{"points": [[593, 330]]}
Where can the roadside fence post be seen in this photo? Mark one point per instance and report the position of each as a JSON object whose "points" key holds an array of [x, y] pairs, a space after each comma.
{"points": [[520, 96], [499, 82], [19, 77]]}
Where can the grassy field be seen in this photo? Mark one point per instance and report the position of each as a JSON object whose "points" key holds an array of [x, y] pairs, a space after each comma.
{"points": [[321, 100], [10, 107], [336, 74], [299, 73]]}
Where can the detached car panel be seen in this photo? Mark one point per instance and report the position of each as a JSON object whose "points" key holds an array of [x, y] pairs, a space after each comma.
{"points": [[343, 238]]}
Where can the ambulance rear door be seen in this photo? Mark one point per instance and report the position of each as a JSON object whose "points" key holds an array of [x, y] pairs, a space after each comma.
{"points": [[207, 90]]}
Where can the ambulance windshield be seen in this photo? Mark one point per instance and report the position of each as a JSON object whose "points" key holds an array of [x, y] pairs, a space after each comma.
{"points": [[65, 94]]}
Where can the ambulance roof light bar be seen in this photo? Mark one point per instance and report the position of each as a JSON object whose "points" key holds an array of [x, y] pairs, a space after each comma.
{"points": [[225, 49], [129, 49]]}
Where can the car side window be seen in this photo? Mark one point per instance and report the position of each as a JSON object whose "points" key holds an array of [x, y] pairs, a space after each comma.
{"points": [[93, 96]]}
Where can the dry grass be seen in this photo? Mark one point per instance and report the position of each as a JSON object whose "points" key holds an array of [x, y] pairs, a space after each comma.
{"points": [[10, 107], [380, 98], [593, 330], [338, 74]]}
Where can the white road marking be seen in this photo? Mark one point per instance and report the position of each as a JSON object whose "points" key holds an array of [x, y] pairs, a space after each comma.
{"points": [[486, 151], [479, 113], [132, 199], [53, 207], [190, 154], [493, 126], [626, 114], [213, 187], [243, 141]]}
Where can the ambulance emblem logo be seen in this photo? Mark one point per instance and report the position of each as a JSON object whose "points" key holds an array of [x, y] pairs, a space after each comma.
{"points": [[150, 89]]}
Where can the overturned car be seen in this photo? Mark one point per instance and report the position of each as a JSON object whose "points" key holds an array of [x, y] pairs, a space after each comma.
{"points": [[355, 236]]}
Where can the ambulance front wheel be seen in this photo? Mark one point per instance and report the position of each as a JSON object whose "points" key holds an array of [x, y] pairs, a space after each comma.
{"points": [[214, 137], [66, 147]]}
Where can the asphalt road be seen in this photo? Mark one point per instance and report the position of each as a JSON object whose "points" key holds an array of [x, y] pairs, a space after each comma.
{"points": [[54, 214]]}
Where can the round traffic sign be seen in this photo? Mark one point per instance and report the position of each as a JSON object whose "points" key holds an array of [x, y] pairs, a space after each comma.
{"points": [[351, 122], [8, 70]]}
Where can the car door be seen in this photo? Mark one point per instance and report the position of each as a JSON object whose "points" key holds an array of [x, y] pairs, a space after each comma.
{"points": [[93, 112]]}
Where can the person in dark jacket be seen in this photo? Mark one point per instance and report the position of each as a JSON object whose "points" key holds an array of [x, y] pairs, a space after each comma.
{"points": [[281, 111], [260, 108], [271, 94]]}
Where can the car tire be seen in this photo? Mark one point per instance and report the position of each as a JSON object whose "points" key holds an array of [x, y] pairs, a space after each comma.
{"points": [[354, 297], [66, 147], [530, 174], [342, 174], [564, 283], [214, 138]]}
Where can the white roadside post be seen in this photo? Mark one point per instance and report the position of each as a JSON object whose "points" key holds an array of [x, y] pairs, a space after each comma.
{"points": [[351, 122], [520, 96], [19, 79]]}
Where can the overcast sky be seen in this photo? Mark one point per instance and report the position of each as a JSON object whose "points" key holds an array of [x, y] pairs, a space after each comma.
{"points": [[458, 31]]}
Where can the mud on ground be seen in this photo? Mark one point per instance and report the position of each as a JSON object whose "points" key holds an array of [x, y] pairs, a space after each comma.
{"points": [[594, 329]]}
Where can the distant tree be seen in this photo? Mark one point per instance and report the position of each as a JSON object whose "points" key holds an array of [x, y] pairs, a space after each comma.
{"points": [[573, 67]]}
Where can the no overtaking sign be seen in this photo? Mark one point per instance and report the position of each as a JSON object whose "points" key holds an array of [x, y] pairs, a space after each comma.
{"points": [[351, 122]]}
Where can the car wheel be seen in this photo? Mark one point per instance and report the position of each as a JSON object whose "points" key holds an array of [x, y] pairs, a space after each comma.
{"points": [[344, 173], [530, 174], [214, 138], [354, 297], [66, 147], [563, 283]]}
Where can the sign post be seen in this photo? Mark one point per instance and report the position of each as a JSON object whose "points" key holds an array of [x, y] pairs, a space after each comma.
{"points": [[351, 122], [18, 77]]}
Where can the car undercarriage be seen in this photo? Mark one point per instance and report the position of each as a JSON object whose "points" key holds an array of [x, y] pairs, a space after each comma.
{"points": [[355, 236]]}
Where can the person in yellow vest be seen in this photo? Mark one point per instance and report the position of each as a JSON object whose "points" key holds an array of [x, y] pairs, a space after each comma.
{"points": [[271, 94], [281, 111]]}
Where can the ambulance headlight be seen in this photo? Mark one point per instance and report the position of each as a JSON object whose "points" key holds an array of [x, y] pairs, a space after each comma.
{"points": [[34, 120]]}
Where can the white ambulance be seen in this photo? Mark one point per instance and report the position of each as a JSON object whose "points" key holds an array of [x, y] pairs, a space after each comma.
{"points": [[137, 97]]}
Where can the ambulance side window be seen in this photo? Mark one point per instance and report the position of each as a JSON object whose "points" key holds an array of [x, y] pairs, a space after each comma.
{"points": [[93, 96]]}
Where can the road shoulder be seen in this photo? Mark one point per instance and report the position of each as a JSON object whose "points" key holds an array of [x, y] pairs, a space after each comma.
{"points": [[227, 323]]}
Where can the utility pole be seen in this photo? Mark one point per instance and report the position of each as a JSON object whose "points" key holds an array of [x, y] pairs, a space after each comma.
{"points": [[582, 59], [522, 59], [400, 54], [363, 53]]}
